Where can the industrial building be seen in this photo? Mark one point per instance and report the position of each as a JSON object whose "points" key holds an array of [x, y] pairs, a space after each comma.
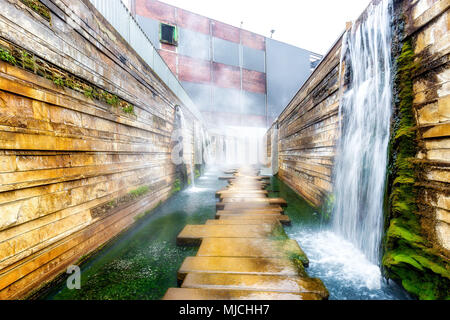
{"points": [[234, 76]]}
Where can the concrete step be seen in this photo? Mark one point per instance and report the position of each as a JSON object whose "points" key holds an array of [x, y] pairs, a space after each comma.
{"points": [[239, 195], [248, 247], [243, 177], [270, 201], [248, 205], [255, 283], [243, 255], [213, 294], [192, 235], [249, 188], [285, 220], [241, 265], [242, 222], [231, 192], [249, 211]]}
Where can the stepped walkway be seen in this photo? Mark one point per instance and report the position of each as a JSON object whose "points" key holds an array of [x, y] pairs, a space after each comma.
{"points": [[244, 253]]}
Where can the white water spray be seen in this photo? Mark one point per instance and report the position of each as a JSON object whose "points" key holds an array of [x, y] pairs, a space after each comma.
{"points": [[362, 149]]}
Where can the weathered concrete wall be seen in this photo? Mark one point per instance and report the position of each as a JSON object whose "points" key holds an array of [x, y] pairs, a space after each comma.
{"points": [[68, 161], [308, 131]]}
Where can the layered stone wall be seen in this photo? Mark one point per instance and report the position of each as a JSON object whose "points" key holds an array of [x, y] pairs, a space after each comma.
{"points": [[85, 138], [417, 244], [307, 132]]}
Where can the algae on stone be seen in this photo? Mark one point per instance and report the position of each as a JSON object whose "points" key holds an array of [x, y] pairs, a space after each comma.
{"points": [[408, 257]]}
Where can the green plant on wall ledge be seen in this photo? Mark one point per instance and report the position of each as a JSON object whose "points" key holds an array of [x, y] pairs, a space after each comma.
{"points": [[327, 207], [139, 191], [129, 109], [38, 7], [58, 81], [6, 56], [26, 60], [176, 187]]}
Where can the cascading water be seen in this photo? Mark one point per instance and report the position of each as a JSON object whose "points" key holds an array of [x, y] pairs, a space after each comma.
{"points": [[193, 175], [365, 130], [274, 151], [183, 128]]}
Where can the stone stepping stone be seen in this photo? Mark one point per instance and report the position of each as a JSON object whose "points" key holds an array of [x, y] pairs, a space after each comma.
{"points": [[243, 222], [249, 211], [285, 220], [238, 195], [192, 235], [251, 188], [240, 265], [213, 294], [254, 282], [243, 178], [254, 248], [270, 201], [247, 205], [244, 254], [237, 192]]}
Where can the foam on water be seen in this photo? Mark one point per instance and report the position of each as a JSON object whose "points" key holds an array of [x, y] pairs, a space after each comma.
{"points": [[344, 268]]}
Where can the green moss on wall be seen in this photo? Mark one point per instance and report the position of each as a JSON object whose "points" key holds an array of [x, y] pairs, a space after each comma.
{"points": [[26, 60], [408, 257], [39, 8], [176, 187]]}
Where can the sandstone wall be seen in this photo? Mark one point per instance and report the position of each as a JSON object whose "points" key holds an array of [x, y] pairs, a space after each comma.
{"points": [[308, 131], [68, 161], [417, 242], [429, 29]]}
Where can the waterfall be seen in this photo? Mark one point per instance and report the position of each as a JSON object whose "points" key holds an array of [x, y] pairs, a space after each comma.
{"points": [[192, 174], [274, 151], [183, 126], [361, 158]]}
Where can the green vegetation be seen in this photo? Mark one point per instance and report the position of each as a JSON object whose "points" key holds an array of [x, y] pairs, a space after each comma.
{"points": [[278, 233], [302, 258], [109, 98], [58, 81], [139, 191], [27, 61], [409, 258], [38, 7], [89, 92], [129, 109], [176, 187], [6, 56], [197, 173], [327, 208]]}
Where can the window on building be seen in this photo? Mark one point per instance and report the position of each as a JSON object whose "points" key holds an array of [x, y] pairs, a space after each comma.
{"points": [[168, 34]]}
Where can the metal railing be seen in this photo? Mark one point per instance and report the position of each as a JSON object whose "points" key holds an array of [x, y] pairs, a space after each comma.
{"points": [[118, 15]]}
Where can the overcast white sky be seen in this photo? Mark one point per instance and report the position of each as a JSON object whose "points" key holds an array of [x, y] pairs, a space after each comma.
{"points": [[310, 24]]}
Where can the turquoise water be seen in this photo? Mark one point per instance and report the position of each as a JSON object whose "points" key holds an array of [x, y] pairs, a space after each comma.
{"points": [[143, 262]]}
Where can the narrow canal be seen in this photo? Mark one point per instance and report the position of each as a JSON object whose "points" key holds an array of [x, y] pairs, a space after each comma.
{"points": [[143, 262]]}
